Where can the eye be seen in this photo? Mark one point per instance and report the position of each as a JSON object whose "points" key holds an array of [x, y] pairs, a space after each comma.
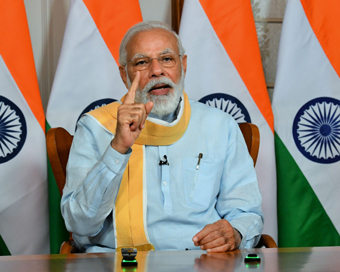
{"points": [[167, 59], [141, 62]]}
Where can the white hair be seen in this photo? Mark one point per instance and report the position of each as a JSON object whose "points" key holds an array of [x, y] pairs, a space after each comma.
{"points": [[143, 27]]}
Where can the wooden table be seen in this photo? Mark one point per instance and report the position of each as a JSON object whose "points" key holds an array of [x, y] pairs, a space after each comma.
{"points": [[322, 259]]}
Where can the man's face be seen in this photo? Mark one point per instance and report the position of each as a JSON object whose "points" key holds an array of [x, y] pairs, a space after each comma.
{"points": [[162, 80]]}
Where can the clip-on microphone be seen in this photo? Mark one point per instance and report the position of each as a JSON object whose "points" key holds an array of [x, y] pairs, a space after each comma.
{"points": [[164, 161]]}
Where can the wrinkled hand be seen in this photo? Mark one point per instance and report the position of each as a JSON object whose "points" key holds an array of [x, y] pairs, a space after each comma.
{"points": [[131, 118], [218, 237]]}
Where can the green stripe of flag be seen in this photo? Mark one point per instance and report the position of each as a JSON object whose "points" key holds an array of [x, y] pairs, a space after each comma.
{"points": [[302, 220], [58, 232], [3, 248]]}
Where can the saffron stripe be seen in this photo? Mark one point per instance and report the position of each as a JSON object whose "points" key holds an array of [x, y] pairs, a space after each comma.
{"points": [[113, 18], [16, 50], [234, 25], [324, 19]]}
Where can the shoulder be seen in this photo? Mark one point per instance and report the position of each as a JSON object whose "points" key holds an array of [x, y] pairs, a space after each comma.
{"points": [[210, 114], [91, 134], [89, 123]]}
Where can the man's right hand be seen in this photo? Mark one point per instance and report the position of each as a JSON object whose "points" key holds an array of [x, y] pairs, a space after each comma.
{"points": [[130, 119]]}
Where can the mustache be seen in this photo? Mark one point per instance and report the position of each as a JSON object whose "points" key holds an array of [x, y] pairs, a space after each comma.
{"points": [[152, 83]]}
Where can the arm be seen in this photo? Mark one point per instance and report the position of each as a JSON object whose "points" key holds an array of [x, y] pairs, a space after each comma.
{"points": [[94, 172], [239, 201], [96, 166]]}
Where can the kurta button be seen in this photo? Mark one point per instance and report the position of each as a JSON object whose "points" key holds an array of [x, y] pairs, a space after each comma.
{"points": [[165, 183], [116, 161]]}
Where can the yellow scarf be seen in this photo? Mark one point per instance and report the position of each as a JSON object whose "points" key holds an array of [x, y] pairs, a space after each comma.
{"points": [[129, 204]]}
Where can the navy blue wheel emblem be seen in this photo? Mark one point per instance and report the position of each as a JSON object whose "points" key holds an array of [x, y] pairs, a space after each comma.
{"points": [[96, 104], [13, 130], [228, 104], [316, 130]]}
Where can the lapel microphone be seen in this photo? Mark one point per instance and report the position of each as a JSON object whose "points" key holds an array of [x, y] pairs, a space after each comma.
{"points": [[164, 161]]}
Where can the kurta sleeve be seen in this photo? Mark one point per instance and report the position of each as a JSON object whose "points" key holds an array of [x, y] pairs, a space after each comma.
{"points": [[94, 173]]}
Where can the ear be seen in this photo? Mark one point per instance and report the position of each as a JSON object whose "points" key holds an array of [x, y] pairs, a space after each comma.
{"points": [[184, 63], [123, 75]]}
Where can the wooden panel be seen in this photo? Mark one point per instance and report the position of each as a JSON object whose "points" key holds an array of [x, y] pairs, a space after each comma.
{"points": [[176, 12]]}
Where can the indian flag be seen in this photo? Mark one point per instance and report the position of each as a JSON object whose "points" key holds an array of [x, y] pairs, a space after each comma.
{"points": [[225, 71], [23, 169], [306, 106], [87, 75]]}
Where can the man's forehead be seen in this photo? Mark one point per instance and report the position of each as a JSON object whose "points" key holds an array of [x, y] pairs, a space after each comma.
{"points": [[158, 41]]}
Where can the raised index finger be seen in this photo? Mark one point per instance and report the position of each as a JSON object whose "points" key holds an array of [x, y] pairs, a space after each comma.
{"points": [[130, 96]]}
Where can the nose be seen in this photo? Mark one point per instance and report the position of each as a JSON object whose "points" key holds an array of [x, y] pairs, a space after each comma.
{"points": [[156, 69]]}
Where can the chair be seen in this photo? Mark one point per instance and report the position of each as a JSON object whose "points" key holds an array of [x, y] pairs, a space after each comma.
{"points": [[266, 241], [58, 148], [251, 136], [59, 142]]}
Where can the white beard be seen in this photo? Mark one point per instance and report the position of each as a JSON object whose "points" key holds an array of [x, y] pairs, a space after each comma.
{"points": [[162, 104]]}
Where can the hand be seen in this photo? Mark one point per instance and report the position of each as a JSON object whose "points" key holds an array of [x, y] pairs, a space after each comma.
{"points": [[218, 237], [130, 119]]}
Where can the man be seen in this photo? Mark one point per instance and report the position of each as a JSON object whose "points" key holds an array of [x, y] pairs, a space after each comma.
{"points": [[159, 171]]}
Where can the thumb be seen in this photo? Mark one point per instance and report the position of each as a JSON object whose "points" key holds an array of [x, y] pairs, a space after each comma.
{"points": [[148, 107]]}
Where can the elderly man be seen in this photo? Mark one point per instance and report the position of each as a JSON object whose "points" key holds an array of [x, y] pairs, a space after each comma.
{"points": [[159, 171]]}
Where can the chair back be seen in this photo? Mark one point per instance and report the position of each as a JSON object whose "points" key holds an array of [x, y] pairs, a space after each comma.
{"points": [[251, 136], [59, 142]]}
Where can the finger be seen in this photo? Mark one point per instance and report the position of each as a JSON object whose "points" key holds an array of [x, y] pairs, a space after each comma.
{"points": [[215, 243], [223, 248], [148, 108], [130, 115], [130, 96], [137, 115], [135, 122], [204, 232], [211, 237], [143, 118]]}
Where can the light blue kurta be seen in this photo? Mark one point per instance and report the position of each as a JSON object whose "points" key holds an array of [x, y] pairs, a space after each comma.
{"points": [[181, 200]]}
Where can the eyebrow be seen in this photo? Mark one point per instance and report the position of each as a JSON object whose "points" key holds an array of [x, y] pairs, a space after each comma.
{"points": [[166, 51], [138, 56], [142, 55]]}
